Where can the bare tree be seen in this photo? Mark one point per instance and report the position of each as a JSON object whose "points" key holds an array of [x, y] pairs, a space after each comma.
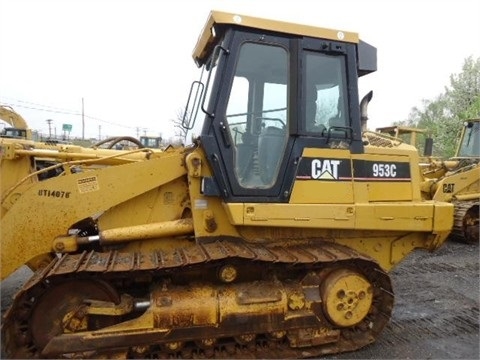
{"points": [[180, 131]]}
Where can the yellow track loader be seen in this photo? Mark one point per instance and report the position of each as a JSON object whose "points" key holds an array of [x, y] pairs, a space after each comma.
{"points": [[272, 235], [457, 180]]}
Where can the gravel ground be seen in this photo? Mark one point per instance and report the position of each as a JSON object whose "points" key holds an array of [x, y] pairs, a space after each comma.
{"points": [[436, 313], [436, 308]]}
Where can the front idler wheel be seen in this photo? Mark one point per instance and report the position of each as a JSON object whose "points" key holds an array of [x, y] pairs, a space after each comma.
{"points": [[62, 309]]}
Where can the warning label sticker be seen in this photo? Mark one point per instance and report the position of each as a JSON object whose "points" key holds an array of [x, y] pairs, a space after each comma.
{"points": [[88, 184]]}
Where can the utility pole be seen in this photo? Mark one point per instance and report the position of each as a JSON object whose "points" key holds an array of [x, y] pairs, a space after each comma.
{"points": [[49, 121], [83, 121], [99, 132]]}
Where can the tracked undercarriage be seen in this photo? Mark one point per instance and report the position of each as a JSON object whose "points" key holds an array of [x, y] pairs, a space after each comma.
{"points": [[277, 302], [466, 224]]}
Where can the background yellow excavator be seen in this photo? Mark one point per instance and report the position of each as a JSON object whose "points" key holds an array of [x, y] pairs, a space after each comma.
{"points": [[271, 236], [18, 126]]}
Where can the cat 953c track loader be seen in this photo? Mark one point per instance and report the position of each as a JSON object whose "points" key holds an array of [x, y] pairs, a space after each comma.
{"points": [[271, 236]]}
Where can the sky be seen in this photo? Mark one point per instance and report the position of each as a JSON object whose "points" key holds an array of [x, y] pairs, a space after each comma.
{"points": [[130, 61]]}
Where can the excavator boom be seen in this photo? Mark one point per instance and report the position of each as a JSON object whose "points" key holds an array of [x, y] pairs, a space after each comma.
{"points": [[19, 127]]}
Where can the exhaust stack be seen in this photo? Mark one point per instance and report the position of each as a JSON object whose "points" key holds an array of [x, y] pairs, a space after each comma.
{"points": [[363, 110]]}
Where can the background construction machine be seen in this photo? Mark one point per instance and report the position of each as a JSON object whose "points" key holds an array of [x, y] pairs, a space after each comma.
{"points": [[414, 136], [406, 133], [154, 142], [272, 234], [18, 126], [457, 180]]}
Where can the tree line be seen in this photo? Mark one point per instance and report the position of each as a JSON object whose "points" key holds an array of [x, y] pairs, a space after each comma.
{"points": [[443, 116]]}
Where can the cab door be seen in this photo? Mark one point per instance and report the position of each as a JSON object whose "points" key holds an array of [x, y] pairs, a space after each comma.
{"points": [[252, 118]]}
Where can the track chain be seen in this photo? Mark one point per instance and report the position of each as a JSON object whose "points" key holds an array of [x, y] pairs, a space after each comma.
{"points": [[459, 231], [310, 255]]}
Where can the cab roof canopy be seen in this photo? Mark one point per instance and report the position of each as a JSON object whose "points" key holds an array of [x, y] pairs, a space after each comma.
{"points": [[207, 37]]}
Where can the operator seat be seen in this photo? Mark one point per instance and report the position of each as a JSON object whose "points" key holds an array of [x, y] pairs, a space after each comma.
{"points": [[270, 153], [337, 121], [311, 108]]}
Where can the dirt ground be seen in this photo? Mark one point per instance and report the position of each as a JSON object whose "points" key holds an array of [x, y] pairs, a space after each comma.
{"points": [[436, 308], [436, 314]]}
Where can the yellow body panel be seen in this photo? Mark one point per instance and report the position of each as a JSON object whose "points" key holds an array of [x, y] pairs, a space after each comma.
{"points": [[385, 216], [464, 184], [326, 191], [323, 193], [64, 200]]}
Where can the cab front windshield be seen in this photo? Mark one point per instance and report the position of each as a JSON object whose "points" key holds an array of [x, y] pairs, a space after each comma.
{"points": [[470, 145]]}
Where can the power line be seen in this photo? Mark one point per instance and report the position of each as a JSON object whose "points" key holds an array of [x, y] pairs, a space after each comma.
{"points": [[13, 102], [37, 104], [65, 112], [49, 109]]}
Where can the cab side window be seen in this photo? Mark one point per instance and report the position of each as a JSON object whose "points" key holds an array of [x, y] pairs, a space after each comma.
{"points": [[325, 93]]}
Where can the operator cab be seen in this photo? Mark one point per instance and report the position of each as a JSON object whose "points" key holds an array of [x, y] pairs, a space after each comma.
{"points": [[13, 133], [152, 142], [469, 146], [272, 90]]}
